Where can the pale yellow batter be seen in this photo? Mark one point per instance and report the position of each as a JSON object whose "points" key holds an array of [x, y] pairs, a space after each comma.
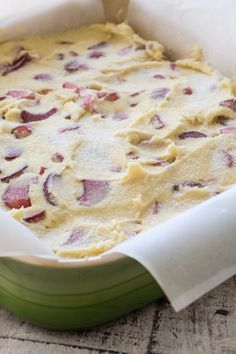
{"points": [[102, 137]]}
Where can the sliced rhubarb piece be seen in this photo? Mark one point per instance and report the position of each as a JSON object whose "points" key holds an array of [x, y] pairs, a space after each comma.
{"points": [[43, 77], [21, 94], [125, 50], [73, 53], [57, 157], [13, 175], [35, 117], [192, 135], [115, 169], [75, 236], [156, 208], [159, 77], [17, 64], [99, 45], [231, 103], [157, 122], [228, 157], [94, 192], [60, 56], [95, 54], [22, 131], [119, 116], [69, 129], [2, 98], [74, 65], [187, 91], [35, 218], [13, 153], [159, 93], [228, 130], [42, 170], [112, 96], [89, 104], [72, 86], [17, 197], [51, 178]]}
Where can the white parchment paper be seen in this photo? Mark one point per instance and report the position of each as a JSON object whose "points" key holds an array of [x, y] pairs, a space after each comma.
{"points": [[196, 251]]}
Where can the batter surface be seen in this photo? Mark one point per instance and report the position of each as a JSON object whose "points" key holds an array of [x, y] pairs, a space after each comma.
{"points": [[102, 137]]}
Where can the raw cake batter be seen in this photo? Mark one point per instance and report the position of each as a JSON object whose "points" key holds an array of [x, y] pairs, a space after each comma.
{"points": [[102, 137]]}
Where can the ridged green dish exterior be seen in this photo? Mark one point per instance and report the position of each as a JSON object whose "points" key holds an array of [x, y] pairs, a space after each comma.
{"points": [[75, 297]]}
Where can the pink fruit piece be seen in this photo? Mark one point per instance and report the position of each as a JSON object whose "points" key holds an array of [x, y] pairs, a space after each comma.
{"points": [[21, 132], [228, 130], [17, 64], [2, 98], [51, 178], [95, 54], [111, 97], [119, 116], [99, 45], [76, 235], [94, 192], [57, 157], [157, 122], [21, 94], [17, 197], [42, 170], [74, 65], [89, 103], [60, 56], [159, 76], [35, 218], [68, 129], [156, 208], [35, 117], [192, 135], [187, 91], [231, 103], [125, 50], [73, 53], [13, 175], [43, 77], [12, 154], [228, 157], [115, 169], [159, 93], [133, 155], [72, 86]]}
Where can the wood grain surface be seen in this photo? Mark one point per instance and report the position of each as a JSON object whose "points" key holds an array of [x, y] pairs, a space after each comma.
{"points": [[208, 326]]}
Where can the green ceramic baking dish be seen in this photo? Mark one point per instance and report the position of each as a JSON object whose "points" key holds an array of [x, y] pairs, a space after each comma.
{"points": [[74, 295]]}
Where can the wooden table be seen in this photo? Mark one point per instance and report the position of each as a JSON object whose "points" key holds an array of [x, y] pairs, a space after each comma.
{"points": [[208, 326]]}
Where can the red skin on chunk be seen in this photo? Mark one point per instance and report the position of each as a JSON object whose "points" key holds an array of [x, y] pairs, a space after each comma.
{"points": [[57, 157], [192, 135], [17, 64], [46, 188], [35, 218], [74, 65], [231, 103], [228, 157], [21, 94], [187, 91], [22, 131], [96, 54], [16, 174], [43, 77], [28, 117], [17, 197], [157, 122]]}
